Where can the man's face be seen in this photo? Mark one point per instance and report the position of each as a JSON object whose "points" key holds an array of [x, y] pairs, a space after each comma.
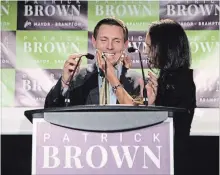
{"points": [[110, 41]]}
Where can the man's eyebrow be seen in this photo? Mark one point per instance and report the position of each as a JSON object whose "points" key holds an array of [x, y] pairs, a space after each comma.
{"points": [[103, 37], [113, 38], [117, 38]]}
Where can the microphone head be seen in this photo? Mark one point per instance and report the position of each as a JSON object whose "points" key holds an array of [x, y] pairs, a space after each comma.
{"points": [[131, 49], [90, 56], [103, 56]]}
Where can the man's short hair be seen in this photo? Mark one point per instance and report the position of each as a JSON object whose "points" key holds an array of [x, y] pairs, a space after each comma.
{"points": [[111, 21]]}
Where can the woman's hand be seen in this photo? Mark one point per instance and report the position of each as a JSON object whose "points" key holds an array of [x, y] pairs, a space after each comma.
{"points": [[151, 87], [101, 65]]}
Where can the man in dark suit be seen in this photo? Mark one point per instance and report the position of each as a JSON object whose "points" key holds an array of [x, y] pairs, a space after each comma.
{"points": [[110, 39]]}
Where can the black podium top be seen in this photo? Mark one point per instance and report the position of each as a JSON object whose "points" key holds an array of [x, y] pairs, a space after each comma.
{"points": [[109, 118], [103, 108]]}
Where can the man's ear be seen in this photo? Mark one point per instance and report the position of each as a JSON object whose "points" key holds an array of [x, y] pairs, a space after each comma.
{"points": [[93, 41], [126, 44]]}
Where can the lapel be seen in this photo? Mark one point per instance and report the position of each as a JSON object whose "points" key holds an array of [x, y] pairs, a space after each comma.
{"points": [[125, 80], [93, 97], [92, 85]]}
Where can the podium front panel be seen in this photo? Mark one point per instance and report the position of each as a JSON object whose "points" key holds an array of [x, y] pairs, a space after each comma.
{"points": [[59, 150]]}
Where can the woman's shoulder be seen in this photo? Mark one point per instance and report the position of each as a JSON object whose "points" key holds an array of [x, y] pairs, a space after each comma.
{"points": [[178, 79], [178, 75]]}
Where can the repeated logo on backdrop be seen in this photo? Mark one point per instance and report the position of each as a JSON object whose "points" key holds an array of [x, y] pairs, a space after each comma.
{"points": [[8, 15], [137, 15], [32, 85], [38, 36], [192, 15], [52, 15], [204, 47], [48, 49], [7, 87], [8, 49]]}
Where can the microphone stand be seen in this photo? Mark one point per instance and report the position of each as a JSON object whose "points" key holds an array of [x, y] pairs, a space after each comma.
{"points": [[103, 56], [132, 49], [143, 76], [71, 84]]}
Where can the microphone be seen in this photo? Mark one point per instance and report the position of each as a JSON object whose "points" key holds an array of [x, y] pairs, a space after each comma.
{"points": [[89, 56], [67, 95], [130, 50]]}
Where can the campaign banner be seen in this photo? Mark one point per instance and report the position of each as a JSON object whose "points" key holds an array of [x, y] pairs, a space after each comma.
{"points": [[50, 14], [137, 15], [32, 86], [59, 150], [193, 14], [8, 15], [205, 48], [207, 87], [205, 51], [8, 49], [39, 35], [49, 49], [7, 87]]}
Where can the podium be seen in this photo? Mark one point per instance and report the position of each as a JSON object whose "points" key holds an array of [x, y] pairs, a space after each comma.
{"points": [[96, 139]]}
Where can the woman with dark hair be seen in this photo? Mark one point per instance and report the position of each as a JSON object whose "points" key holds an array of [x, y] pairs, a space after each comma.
{"points": [[168, 50]]}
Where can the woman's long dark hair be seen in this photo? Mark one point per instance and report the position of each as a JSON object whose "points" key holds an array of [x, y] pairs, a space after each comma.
{"points": [[169, 45], [169, 51]]}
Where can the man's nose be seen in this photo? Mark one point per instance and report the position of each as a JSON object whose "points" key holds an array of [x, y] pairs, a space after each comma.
{"points": [[110, 45]]}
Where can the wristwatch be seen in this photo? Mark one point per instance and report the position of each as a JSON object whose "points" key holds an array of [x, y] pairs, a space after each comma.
{"points": [[114, 88]]}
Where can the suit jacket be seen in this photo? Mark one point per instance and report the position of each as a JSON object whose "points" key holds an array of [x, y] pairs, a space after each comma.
{"points": [[85, 89]]}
